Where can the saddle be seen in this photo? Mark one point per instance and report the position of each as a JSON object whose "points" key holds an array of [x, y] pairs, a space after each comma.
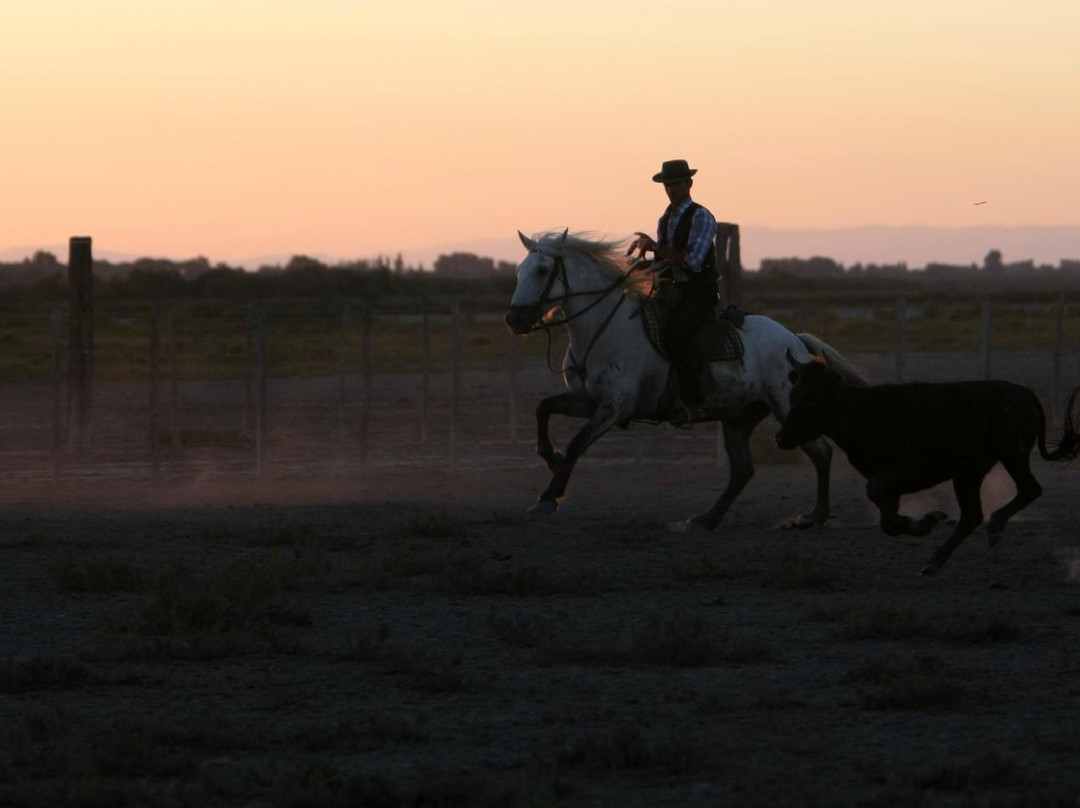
{"points": [[718, 337]]}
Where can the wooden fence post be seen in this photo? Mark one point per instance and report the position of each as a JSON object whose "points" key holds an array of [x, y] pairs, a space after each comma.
{"points": [[987, 319], [425, 370], [57, 429], [365, 367], [512, 352], [174, 392], [1059, 331], [456, 356], [154, 340], [342, 367], [247, 418], [729, 263], [260, 394], [901, 338], [80, 339]]}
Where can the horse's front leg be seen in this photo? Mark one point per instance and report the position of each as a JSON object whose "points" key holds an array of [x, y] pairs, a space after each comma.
{"points": [[568, 403], [602, 419]]}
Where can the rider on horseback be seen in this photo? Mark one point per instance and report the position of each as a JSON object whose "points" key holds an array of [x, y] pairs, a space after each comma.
{"points": [[686, 259]]}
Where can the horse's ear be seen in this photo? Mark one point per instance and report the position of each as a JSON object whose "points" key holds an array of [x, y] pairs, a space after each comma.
{"points": [[562, 238], [530, 245]]}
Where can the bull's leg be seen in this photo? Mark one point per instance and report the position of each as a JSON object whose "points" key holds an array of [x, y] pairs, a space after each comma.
{"points": [[740, 467], [1027, 491], [602, 419], [971, 516], [881, 492], [820, 453], [567, 403]]}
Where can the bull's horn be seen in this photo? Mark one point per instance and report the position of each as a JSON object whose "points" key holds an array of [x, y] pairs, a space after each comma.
{"points": [[795, 363], [815, 359], [565, 232], [530, 245]]}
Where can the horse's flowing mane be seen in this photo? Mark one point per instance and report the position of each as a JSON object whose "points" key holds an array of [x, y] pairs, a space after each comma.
{"points": [[606, 253]]}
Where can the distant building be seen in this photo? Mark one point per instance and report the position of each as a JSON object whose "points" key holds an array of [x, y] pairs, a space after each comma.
{"points": [[816, 267]]}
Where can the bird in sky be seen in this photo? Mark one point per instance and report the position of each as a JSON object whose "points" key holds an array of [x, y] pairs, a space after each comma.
{"points": [[981, 203]]}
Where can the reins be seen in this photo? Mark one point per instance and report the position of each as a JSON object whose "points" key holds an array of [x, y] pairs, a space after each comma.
{"points": [[547, 304]]}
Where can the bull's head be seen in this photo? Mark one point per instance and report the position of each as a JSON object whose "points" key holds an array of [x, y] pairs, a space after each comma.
{"points": [[809, 402]]}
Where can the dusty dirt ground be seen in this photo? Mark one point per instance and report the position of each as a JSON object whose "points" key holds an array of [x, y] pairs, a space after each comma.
{"points": [[397, 632], [413, 637]]}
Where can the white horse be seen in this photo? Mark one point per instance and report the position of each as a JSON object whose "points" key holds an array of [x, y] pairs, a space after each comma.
{"points": [[615, 375]]}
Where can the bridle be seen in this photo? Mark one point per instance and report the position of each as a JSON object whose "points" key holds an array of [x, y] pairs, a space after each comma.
{"points": [[546, 303]]}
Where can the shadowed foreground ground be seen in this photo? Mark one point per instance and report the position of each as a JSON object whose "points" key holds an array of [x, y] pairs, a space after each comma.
{"points": [[415, 638]]}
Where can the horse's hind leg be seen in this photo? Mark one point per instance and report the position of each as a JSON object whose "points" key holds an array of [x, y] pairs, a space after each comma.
{"points": [[737, 433], [1027, 491], [820, 453], [562, 404], [601, 421]]}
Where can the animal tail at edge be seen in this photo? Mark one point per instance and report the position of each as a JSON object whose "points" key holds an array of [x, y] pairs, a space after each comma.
{"points": [[835, 360], [1069, 446]]}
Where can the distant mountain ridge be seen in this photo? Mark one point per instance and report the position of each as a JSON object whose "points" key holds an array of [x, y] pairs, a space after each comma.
{"points": [[915, 246]]}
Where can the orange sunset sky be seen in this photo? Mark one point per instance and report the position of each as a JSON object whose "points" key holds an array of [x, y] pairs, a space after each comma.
{"points": [[234, 129]]}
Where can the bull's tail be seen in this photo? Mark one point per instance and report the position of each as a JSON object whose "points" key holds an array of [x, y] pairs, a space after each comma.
{"points": [[835, 360], [1069, 446]]}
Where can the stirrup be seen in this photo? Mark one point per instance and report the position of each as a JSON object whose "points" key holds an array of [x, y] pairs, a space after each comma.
{"points": [[681, 416]]}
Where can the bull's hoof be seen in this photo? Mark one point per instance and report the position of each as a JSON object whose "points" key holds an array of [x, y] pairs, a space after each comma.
{"points": [[930, 569], [928, 522], [544, 507], [994, 529], [802, 522]]}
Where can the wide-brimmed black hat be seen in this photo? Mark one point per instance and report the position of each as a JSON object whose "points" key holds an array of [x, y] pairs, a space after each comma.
{"points": [[673, 171]]}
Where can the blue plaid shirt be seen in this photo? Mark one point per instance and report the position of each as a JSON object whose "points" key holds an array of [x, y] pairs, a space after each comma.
{"points": [[702, 233]]}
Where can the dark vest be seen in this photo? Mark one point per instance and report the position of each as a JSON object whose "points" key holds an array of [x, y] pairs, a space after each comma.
{"points": [[708, 274]]}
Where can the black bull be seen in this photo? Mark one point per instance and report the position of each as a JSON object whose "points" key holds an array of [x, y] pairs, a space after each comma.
{"points": [[905, 438]]}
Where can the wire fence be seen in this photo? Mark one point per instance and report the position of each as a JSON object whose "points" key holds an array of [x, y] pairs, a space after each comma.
{"points": [[292, 388]]}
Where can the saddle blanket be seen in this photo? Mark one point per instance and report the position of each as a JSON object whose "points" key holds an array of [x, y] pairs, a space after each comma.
{"points": [[717, 339]]}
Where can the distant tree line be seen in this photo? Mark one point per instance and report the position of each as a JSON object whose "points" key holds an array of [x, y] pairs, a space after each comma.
{"points": [[43, 276], [458, 275], [993, 267]]}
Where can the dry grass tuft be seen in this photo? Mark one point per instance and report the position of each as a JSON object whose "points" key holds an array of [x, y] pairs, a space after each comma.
{"points": [[107, 574], [916, 684], [44, 673], [987, 766], [682, 639], [627, 746], [891, 620]]}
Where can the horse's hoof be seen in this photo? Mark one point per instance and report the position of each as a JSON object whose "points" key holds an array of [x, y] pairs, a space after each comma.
{"points": [[930, 569], [688, 527], [544, 506]]}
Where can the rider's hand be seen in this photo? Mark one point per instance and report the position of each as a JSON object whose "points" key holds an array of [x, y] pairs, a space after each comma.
{"points": [[643, 243]]}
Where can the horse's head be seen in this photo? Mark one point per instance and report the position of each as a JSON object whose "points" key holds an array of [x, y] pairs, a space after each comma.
{"points": [[541, 284]]}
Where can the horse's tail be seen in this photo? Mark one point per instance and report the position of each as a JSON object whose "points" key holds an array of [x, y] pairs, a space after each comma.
{"points": [[835, 360], [1068, 448]]}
